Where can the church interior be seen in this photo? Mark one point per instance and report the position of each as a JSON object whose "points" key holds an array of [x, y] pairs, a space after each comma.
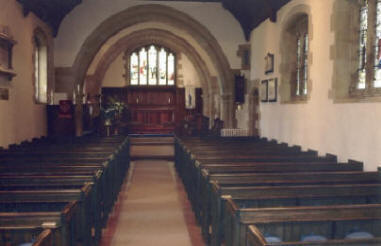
{"points": [[256, 120]]}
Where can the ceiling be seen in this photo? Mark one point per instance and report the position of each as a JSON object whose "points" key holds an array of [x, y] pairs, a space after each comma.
{"points": [[249, 13]]}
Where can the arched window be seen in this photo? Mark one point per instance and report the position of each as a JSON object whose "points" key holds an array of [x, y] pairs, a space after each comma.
{"points": [[369, 50], [152, 65], [40, 67], [294, 48], [299, 86]]}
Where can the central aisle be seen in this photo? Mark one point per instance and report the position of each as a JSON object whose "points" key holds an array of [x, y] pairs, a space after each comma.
{"points": [[152, 212]]}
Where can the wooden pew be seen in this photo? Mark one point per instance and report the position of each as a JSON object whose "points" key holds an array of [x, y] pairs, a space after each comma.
{"points": [[199, 161], [199, 178], [15, 226], [275, 179], [45, 238], [256, 238], [40, 200], [44, 173], [286, 196], [292, 224]]}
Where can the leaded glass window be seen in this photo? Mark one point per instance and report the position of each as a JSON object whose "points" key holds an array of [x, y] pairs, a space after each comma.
{"points": [[152, 65], [143, 66], [40, 68], [362, 45], [134, 69], [369, 58], [377, 65], [305, 64], [301, 67]]}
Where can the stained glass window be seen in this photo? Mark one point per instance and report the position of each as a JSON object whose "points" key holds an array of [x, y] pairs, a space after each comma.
{"points": [[143, 67], [134, 69], [152, 65], [162, 67], [171, 69]]}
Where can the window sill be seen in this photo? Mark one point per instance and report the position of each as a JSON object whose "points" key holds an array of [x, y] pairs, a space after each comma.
{"points": [[297, 100], [361, 96]]}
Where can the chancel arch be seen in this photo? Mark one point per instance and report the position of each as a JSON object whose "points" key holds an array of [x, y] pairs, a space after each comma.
{"points": [[168, 16], [164, 38]]}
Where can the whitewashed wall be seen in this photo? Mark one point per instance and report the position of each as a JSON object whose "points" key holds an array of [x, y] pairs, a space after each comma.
{"points": [[349, 130], [20, 117]]}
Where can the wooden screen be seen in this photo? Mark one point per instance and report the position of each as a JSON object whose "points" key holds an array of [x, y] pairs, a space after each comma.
{"points": [[150, 109]]}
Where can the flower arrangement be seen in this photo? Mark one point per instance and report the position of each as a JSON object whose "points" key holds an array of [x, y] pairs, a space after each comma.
{"points": [[113, 111]]}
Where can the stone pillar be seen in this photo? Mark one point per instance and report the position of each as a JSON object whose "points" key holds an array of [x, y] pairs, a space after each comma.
{"points": [[205, 105], [253, 108], [227, 110], [78, 109]]}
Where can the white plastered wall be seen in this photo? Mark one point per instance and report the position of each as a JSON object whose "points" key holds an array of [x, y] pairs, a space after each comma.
{"points": [[20, 117], [349, 130]]}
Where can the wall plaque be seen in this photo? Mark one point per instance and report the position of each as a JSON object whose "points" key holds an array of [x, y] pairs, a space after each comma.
{"points": [[4, 94]]}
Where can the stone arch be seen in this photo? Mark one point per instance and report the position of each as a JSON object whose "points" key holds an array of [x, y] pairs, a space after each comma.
{"points": [[171, 17], [153, 36], [158, 13], [287, 54]]}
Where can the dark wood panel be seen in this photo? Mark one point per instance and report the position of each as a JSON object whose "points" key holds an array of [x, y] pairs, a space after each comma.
{"points": [[150, 109]]}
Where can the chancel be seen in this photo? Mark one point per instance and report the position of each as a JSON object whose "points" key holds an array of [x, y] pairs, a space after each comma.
{"points": [[190, 122]]}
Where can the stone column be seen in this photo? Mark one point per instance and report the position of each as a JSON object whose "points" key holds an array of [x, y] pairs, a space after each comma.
{"points": [[227, 110], [253, 108], [78, 109], [205, 105]]}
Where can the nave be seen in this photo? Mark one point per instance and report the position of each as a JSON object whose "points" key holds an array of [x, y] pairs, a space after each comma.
{"points": [[243, 192], [152, 208]]}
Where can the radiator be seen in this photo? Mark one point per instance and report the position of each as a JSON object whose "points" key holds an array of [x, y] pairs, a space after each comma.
{"points": [[226, 132]]}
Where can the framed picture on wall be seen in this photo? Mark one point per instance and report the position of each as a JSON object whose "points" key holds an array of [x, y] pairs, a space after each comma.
{"points": [[269, 63], [263, 91], [272, 90]]}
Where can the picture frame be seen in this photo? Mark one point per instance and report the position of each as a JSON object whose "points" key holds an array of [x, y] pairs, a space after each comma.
{"points": [[269, 63], [272, 90], [263, 91]]}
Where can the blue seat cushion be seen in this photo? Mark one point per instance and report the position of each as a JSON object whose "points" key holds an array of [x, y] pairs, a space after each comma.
{"points": [[359, 235], [26, 244], [273, 239], [314, 238]]}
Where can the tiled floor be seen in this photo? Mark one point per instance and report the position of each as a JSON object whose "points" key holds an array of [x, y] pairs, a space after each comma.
{"points": [[152, 209]]}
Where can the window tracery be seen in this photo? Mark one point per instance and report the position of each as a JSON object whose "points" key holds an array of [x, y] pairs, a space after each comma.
{"points": [[152, 65]]}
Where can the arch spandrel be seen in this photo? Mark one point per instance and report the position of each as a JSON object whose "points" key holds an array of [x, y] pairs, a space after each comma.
{"points": [[158, 13]]}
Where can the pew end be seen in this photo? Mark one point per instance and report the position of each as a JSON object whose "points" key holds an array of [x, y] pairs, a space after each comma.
{"points": [[332, 157]]}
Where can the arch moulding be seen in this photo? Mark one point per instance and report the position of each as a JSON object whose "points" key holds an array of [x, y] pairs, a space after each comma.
{"points": [[152, 36], [161, 14], [157, 13]]}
